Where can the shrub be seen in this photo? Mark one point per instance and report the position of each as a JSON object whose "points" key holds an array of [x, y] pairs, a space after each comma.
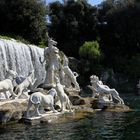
{"points": [[90, 50]]}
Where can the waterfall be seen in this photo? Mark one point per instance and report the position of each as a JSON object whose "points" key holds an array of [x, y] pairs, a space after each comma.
{"points": [[22, 58]]}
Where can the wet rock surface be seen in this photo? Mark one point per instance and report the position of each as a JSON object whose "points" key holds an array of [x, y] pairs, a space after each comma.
{"points": [[14, 110]]}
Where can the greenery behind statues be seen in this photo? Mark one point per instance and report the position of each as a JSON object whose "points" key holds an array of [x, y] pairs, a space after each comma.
{"points": [[23, 19], [112, 29]]}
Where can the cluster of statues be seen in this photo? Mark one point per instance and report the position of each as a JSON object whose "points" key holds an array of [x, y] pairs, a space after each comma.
{"points": [[57, 65], [59, 77]]}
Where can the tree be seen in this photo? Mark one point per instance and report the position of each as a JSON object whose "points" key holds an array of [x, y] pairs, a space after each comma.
{"points": [[120, 38], [72, 24], [91, 57], [25, 18], [91, 50]]}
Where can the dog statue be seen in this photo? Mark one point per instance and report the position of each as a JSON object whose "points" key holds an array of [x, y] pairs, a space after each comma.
{"points": [[29, 81], [7, 84], [37, 99], [64, 99]]}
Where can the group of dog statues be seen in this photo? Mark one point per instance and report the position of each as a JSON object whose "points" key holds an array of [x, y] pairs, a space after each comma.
{"points": [[59, 78]]}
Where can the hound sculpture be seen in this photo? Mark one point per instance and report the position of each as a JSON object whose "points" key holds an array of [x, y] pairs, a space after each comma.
{"points": [[37, 99], [64, 99], [29, 81], [7, 84]]}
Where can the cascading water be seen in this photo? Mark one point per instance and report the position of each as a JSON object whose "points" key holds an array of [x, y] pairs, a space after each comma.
{"points": [[21, 58]]}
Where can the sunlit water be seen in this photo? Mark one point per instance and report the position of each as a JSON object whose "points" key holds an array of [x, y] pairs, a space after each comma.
{"points": [[95, 126]]}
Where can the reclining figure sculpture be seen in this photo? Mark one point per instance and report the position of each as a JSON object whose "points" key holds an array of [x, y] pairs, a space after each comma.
{"points": [[100, 88]]}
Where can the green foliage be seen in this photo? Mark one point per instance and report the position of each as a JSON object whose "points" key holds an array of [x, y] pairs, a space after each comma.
{"points": [[72, 24], [91, 57], [24, 18], [43, 43], [90, 50], [120, 38], [17, 38], [5, 37]]}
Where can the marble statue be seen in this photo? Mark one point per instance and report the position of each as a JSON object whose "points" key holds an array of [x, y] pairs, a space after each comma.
{"points": [[104, 89], [7, 84], [57, 65], [69, 77], [105, 98], [64, 99], [53, 64], [29, 81], [37, 99]]}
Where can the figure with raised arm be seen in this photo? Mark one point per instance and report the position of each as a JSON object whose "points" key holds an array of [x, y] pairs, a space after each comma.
{"points": [[53, 62], [57, 65]]}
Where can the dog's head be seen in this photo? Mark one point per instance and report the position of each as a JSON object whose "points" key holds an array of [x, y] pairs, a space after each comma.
{"points": [[12, 73], [51, 42], [52, 92]]}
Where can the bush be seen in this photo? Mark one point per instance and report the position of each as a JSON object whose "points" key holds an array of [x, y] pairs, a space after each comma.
{"points": [[91, 50]]}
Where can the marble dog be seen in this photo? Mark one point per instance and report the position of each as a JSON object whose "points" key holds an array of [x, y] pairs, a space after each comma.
{"points": [[7, 84], [64, 99], [37, 99], [29, 81]]}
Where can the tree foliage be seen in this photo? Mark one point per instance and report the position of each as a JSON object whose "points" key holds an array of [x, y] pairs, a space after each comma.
{"points": [[120, 38], [72, 24], [91, 58], [90, 50], [25, 18], [115, 24]]}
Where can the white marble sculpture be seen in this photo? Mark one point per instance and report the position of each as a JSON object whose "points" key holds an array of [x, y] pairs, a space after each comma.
{"points": [[104, 89], [7, 84], [69, 77], [52, 59], [105, 98], [57, 65], [29, 81], [39, 99], [64, 99]]}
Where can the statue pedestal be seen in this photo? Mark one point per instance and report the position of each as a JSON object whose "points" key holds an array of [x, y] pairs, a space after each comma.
{"points": [[47, 117]]}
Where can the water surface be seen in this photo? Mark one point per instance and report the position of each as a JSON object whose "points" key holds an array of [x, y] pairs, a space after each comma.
{"points": [[92, 126]]}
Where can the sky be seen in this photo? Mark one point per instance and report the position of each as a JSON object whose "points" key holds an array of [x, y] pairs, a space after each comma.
{"points": [[92, 2]]}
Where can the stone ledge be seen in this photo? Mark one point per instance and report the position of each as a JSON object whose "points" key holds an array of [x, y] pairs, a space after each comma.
{"points": [[45, 118], [12, 110]]}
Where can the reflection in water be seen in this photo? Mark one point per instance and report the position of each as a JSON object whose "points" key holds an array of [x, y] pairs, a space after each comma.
{"points": [[95, 126]]}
